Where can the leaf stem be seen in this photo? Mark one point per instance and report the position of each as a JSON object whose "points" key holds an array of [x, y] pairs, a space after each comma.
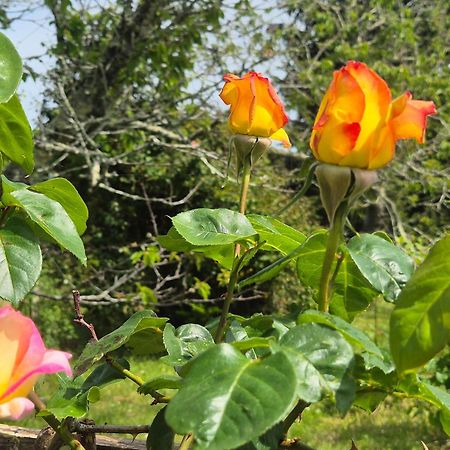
{"points": [[125, 372], [334, 239], [59, 427]]}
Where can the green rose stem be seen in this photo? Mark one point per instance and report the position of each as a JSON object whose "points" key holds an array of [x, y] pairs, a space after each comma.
{"points": [[335, 235], [246, 173], [59, 427]]}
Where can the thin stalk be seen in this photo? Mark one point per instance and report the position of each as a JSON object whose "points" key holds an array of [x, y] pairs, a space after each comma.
{"points": [[59, 427], [334, 239], [246, 174], [294, 414], [125, 372], [227, 302], [186, 442], [159, 398], [300, 193]]}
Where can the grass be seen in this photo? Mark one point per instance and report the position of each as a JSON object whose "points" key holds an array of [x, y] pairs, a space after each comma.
{"points": [[398, 425]]}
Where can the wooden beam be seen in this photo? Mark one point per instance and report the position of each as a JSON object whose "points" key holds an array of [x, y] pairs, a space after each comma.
{"points": [[19, 438]]}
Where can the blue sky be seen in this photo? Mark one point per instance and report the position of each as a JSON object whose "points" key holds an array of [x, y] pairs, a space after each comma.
{"points": [[31, 34]]}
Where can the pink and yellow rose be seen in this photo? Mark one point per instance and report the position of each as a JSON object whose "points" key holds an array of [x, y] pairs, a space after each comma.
{"points": [[256, 109], [358, 123], [24, 358]]}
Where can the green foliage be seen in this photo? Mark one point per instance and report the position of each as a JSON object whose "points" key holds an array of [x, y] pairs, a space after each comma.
{"points": [[275, 234], [420, 322], [184, 343], [19, 239], [213, 227], [234, 402], [129, 131], [16, 141], [21, 260], [384, 265], [356, 337], [51, 217], [74, 396], [321, 358], [71, 399], [64, 192], [11, 69], [352, 293], [139, 323], [160, 436]]}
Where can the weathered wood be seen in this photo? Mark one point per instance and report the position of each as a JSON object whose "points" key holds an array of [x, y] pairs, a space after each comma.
{"points": [[19, 438]]}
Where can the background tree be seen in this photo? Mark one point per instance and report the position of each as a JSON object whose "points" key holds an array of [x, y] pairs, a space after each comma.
{"points": [[132, 119]]}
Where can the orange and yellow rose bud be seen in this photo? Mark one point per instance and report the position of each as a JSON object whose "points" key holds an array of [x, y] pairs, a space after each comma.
{"points": [[358, 123], [24, 358], [256, 109]]}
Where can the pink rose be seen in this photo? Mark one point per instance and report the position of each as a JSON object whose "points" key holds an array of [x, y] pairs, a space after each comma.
{"points": [[23, 358]]}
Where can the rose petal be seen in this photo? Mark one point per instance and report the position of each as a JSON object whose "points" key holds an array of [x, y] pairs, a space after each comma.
{"points": [[53, 361], [15, 333], [377, 101], [16, 409], [411, 122], [281, 136]]}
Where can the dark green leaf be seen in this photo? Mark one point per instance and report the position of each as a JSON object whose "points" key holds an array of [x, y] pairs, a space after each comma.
{"points": [[373, 356], [231, 399], [384, 265], [420, 322], [162, 382], [9, 186], [105, 374], [213, 226], [16, 139], [148, 339], [94, 351], [369, 400], [276, 234], [272, 270], [352, 292], [51, 217], [321, 357], [20, 260], [270, 440], [64, 192], [268, 272], [174, 242], [71, 400], [185, 342], [254, 342], [415, 387], [346, 392], [160, 436], [10, 69], [222, 254]]}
